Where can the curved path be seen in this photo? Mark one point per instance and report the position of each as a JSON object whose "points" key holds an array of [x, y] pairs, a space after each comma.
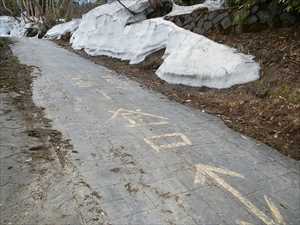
{"points": [[153, 161]]}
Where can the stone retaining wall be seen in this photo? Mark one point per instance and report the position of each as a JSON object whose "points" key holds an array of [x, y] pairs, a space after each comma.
{"points": [[257, 17], [202, 21]]}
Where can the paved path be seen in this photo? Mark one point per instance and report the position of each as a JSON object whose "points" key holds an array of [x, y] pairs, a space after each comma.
{"points": [[152, 161]]}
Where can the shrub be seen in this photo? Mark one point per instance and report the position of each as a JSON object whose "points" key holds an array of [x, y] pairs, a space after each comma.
{"points": [[289, 5]]}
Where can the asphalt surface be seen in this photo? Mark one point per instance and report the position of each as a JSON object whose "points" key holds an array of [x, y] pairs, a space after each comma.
{"points": [[152, 161]]}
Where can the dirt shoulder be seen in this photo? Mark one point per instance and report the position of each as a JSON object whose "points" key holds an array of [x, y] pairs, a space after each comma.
{"points": [[16, 83], [267, 110], [38, 182], [28, 161]]}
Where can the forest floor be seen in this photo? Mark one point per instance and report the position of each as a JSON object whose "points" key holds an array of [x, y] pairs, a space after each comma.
{"points": [[267, 109]]}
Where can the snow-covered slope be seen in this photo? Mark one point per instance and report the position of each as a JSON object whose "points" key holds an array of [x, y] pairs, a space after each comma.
{"points": [[190, 59], [57, 31], [9, 26]]}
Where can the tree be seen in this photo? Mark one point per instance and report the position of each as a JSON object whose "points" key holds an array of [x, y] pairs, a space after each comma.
{"points": [[289, 5], [44, 11]]}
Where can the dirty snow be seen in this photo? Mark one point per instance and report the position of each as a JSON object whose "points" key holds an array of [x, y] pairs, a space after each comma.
{"points": [[10, 27], [59, 30], [189, 59]]}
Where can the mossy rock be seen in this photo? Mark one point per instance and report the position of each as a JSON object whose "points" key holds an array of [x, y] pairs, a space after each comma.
{"points": [[240, 16]]}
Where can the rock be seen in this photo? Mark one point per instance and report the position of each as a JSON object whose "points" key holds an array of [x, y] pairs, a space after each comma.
{"points": [[200, 11], [198, 18], [252, 19], [212, 15], [254, 9], [66, 36], [198, 30], [273, 8], [219, 28], [159, 4], [42, 31], [170, 18], [190, 26], [287, 19], [200, 24], [207, 25], [219, 17], [194, 13], [178, 22], [226, 23], [187, 19], [182, 19], [264, 16], [31, 32], [239, 29]]}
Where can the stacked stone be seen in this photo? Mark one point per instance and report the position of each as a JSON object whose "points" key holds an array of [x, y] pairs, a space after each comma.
{"points": [[269, 14], [258, 17], [202, 20]]}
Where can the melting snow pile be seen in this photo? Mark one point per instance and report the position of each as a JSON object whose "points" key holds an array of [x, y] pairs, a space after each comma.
{"points": [[189, 59], [10, 27], [210, 4], [59, 30]]}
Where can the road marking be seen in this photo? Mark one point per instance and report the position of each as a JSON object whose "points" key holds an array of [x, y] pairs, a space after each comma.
{"points": [[204, 171], [117, 85], [244, 223], [138, 118], [78, 104], [82, 83], [103, 94], [108, 79], [184, 141], [275, 211], [199, 178]]}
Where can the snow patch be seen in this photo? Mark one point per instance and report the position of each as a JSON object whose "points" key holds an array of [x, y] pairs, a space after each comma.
{"points": [[195, 60], [59, 30], [189, 59], [11, 27], [210, 4]]}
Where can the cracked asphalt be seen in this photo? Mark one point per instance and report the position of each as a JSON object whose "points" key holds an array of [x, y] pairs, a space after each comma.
{"points": [[142, 159]]}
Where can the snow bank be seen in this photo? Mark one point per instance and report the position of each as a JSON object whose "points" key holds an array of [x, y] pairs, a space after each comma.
{"points": [[107, 22], [59, 30], [10, 27], [189, 59], [194, 60], [210, 4]]}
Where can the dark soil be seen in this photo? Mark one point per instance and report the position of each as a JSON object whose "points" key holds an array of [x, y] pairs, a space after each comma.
{"points": [[16, 80], [267, 109]]}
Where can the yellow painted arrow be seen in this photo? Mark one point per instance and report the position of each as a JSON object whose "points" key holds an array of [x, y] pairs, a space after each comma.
{"points": [[204, 171]]}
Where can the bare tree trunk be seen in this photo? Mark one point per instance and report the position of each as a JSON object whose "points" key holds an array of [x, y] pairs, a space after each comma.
{"points": [[5, 8], [42, 13]]}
